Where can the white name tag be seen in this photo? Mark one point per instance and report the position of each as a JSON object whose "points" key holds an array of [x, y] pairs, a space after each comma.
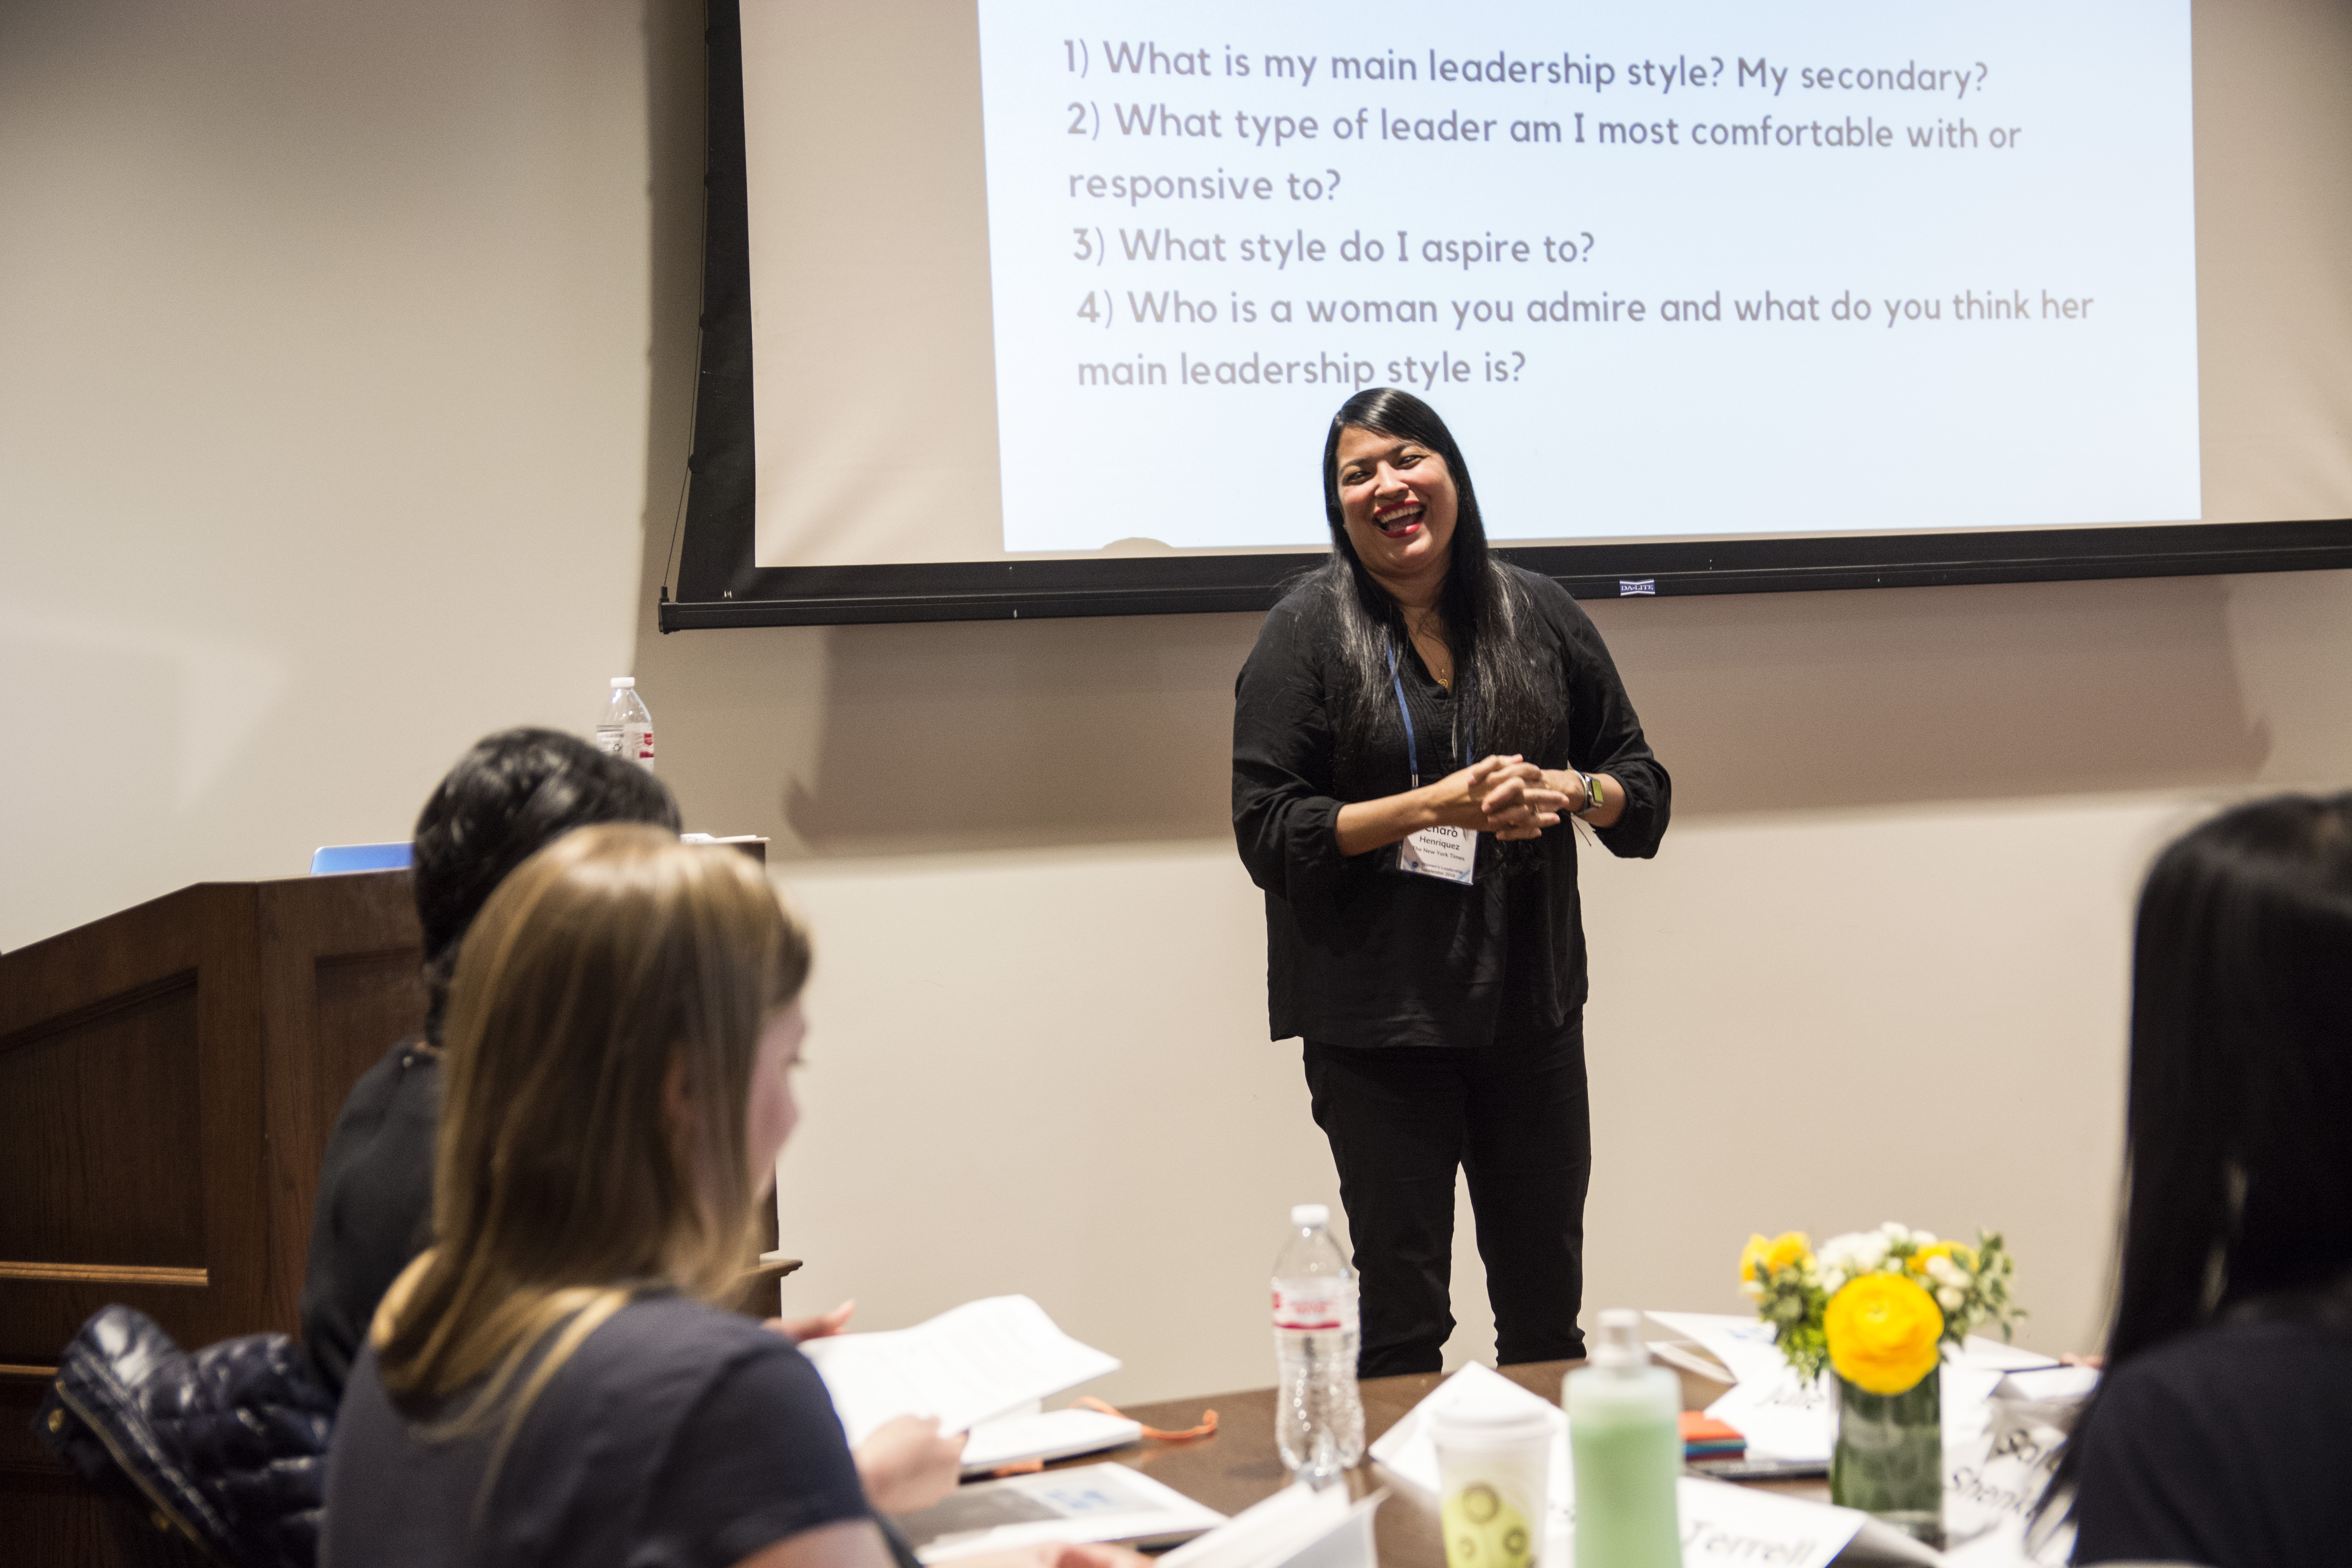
{"points": [[1445, 853]]}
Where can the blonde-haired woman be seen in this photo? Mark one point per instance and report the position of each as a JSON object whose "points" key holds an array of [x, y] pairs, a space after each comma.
{"points": [[554, 1383]]}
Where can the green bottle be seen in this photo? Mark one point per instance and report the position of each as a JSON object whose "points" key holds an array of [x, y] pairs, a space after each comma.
{"points": [[1625, 1431]]}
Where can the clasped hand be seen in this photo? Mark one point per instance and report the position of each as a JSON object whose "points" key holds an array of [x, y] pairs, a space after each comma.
{"points": [[1506, 797]]}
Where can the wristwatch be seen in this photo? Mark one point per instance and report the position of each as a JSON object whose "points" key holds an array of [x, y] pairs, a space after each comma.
{"points": [[1592, 796]]}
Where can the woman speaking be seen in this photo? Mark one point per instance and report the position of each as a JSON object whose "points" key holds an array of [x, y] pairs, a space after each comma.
{"points": [[1414, 722]]}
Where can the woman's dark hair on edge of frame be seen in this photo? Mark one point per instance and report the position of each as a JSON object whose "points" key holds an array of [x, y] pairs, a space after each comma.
{"points": [[1483, 608], [2238, 1194], [512, 793]]}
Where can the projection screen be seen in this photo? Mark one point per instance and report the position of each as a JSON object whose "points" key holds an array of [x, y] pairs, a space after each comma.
{"points": [[1043, 307]]}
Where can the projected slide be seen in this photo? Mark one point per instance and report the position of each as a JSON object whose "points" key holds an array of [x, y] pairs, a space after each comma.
{"points": [[1667, 268]]}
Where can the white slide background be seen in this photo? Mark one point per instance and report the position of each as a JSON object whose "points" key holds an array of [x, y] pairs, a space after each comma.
{"points": [[1797, 283]]}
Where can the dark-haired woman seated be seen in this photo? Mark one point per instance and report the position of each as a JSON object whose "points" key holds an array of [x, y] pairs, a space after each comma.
{"points": [[551, 1384], [509, 796], [2222, 1432], [1413, 726]]}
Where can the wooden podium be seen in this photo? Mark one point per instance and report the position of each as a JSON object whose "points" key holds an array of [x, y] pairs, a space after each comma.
{"points": [[168, 1078]]}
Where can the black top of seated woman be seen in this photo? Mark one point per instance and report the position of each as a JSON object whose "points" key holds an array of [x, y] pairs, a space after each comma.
{"points": [[2230, 1446], [1357, 954], [374, 1209], [676, 1435]]}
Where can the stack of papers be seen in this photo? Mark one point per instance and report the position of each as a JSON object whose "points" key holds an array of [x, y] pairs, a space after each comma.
{"points": [[1093, 1502], [983, 1367], [1045, 1435]]}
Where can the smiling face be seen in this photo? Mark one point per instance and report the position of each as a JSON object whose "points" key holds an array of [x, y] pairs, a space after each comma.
{"points": [[1398, 502]]}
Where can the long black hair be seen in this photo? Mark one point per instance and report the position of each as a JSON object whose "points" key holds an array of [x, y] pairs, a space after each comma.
{"points": [[2238, 1185], [511, 794], [1486, 612]]}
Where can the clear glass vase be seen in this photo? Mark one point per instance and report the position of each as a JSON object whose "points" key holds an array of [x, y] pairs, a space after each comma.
{"points": [[1889, 1458]]}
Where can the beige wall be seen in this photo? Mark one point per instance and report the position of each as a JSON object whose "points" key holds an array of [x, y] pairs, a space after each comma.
{"points": [[348, 353], [1879, 970]]}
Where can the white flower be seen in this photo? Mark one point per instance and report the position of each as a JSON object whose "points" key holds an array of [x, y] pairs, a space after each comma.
{"points": [[1949, 1297], [1833, 1281], [1752, 1290], [1944, 1271], [1863, 1252]]}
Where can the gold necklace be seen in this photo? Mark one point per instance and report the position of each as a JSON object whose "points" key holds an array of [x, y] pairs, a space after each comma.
{"points": [[1440, 669]]}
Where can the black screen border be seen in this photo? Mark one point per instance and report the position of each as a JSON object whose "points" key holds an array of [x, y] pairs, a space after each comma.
{"points": [[718, 584]]}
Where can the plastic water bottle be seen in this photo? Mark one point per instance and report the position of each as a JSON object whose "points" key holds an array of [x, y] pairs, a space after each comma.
{"points": [[1624, 1434], [626, 730], [1318, 1416]]}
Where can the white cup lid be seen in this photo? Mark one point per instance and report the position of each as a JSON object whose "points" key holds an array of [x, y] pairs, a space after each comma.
{"points": [[620, 680], [1492, 1419], [1310, 1214]]}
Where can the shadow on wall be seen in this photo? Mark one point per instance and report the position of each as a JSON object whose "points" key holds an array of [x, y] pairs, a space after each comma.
{"points": [[981, 735], [1785, 701]]}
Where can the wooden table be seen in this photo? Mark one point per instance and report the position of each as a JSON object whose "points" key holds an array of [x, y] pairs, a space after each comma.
{"points": [[1238, 1466]]}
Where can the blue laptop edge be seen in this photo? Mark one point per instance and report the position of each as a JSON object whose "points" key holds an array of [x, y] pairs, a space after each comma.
{"points": [[330, 858]]}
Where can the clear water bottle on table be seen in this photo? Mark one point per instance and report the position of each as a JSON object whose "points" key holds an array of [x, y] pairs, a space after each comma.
{"points": [[1319, 1415], [627, 729]]}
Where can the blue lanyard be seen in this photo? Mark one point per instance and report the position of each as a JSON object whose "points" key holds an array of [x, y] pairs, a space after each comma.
{"points": [[1411, 751]]}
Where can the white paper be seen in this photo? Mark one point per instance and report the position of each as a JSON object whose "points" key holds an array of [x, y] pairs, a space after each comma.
{"points": [[1092, 1503], [1299, 1523], [1691, 1356], [1742, 1344], [2050, 1382], [1249, 1536], [1045, 1435], [1993, 1482], [1981, 1350], [971, 1363], [1965, 1399], [1782, 1417], [1740, 1525]]}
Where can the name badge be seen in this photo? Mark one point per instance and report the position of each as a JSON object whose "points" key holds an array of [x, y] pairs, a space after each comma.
{"points": [[1444, 853]]}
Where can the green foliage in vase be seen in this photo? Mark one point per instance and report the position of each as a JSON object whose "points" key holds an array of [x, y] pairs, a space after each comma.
{"points": [[1792, 1284]]}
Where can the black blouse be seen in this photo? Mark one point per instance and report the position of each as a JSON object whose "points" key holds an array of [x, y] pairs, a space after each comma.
{"points": [[1360, 954], [2225, 1446], [374, 1209]]}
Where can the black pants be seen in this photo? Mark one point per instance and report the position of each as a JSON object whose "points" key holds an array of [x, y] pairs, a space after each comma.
{"points": [[1514, 1117]]}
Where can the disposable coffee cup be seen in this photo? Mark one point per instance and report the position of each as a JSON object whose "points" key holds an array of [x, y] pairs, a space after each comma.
{"points": [[1494, 1462]]}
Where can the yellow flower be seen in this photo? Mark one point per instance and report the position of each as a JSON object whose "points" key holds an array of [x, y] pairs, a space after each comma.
{"points": [[1785, 1250], [1883, 1330]]}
